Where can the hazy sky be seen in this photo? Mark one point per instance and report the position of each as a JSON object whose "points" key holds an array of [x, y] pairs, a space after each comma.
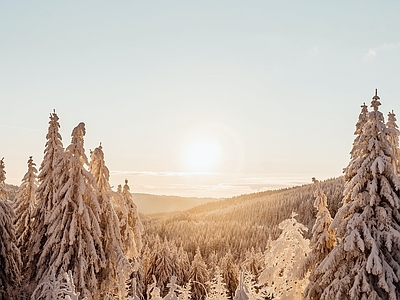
{"points": [[271, 90]]}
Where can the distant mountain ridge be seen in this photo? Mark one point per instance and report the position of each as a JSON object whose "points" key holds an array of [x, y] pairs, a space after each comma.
{"points": [[154, 204]]}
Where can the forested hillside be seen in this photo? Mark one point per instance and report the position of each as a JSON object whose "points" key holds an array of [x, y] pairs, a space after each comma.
{"points": [[242, 222]]}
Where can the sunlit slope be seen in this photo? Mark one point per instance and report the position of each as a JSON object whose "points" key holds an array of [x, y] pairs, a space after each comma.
{"points": [[240, 223], [153, 204]]}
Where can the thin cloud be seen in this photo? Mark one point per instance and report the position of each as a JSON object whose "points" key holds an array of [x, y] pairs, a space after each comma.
{"points": [[370, 55], [163, 174], [385, 47]]}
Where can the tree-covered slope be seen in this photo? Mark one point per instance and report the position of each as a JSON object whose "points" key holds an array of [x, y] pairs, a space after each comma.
{"points": [[242, 222]]}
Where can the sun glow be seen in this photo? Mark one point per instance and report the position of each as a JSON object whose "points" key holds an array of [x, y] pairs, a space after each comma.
{"points": [[203, 155]]}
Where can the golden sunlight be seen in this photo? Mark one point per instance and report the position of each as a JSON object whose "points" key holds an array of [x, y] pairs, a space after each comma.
{"points": [[203, 155]]}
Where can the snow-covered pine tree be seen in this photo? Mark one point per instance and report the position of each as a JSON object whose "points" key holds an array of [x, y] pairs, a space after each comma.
{"points": [[132, 233], [57, 289], [217, 286], [230, 273], [185, 291], [184, 266], [254, 262], [153, 292], [118, 269], [199, 276], [2, 177], [173, 287], [50, 172], [24, 206], [163, 266], [283, 260], [74, 234], [323, 239], [366, 263], [393, 136], [151, 255], [131, 228], [175, 261], [10, 259], [51, 166]]}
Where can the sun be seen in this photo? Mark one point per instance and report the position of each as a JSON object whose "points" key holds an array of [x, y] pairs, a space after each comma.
{"points": [[203, 155]]}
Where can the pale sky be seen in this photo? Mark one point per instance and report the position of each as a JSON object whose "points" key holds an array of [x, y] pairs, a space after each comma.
{"points": [[270, 90]]}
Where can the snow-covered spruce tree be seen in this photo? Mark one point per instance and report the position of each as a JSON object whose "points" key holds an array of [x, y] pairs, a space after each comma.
{"points": [[393, 136], [118, 268], [133, 230], [2, 177], [283, 260], [153, 292], [10, 259], [74, 234], [185, 291], [151, 255], [57, 289], [173, 287], [51, 166], [163, 266], [184, 266], [24, 206], [50, 172], [366, 262], [217, 286], [230, 273], [323, 239], [254, 262], [199, 276]]}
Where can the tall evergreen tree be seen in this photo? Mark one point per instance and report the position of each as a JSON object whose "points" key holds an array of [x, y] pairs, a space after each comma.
{"points": [[151, 256], [74, 234], [50, 172], [322, 240], [230, 272], [2, 177], [199, 276], [10, 259], [24, 206], [51, 166], [133, 230], [366, 263], [184, 266], [118, 269], [393, 134], [283, 260], [217, 287], [163, 267]]}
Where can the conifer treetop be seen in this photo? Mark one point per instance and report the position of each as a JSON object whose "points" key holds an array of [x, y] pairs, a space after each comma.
{"points": [[375, 103]]}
